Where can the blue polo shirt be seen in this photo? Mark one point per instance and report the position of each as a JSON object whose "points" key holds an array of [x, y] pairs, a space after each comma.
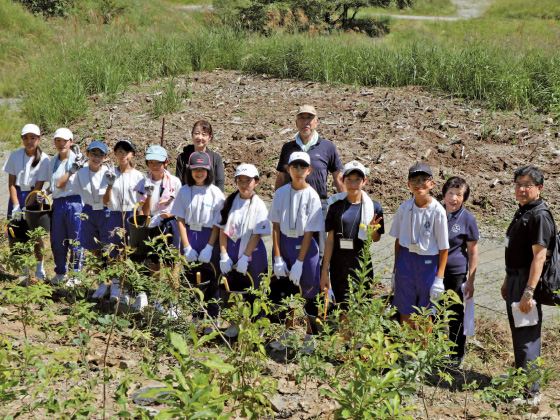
{"points": [[462, 228], [324, 159]]}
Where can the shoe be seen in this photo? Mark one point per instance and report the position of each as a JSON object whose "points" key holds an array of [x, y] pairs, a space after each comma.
{"points": [[231, 332], [115, 291], [173, 312], [101, 292], [72, 282], [280, 344], [209, 329], [125, 298], [532, 399], [57, 279], [140, 303], [40, 274], [308, 344], [455, 362]]}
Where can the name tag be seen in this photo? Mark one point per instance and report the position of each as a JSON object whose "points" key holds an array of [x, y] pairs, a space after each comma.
{"points": [[25, 188], [292, 233], [196, 226], [346, 244], [415, 248], [506, 241], [97, 206]]}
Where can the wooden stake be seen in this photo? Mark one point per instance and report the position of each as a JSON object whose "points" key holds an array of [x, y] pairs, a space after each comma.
{"points": [[326, 303], [162, 131], [198, 277]]}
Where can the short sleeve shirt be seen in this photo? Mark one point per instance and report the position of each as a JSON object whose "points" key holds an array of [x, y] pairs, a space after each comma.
{"points": [[344, 219], [462, 228], [90, 186], [324, 159], [19, 165], [200, 205], [238, 214], [123, 196], [297, 210], [424, 227], [528, 229], [61, 168]]}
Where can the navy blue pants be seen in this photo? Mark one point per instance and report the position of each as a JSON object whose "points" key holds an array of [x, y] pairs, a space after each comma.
{"points": [[310, 281], [94, 227], [115, 236], [66, 227]]}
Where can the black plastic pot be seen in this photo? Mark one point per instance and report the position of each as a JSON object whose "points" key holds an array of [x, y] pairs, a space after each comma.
{"points": [[281, 289], [140, 234], [37, 215], [17, 232], [202, 273], [238, 283], [316, 320]]}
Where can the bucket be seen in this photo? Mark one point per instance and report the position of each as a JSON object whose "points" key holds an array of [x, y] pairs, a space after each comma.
{"points": [[16, 230], [234, 283], [316, 319], [199, 276], [280, 289], [38, 214], [140, 232]]}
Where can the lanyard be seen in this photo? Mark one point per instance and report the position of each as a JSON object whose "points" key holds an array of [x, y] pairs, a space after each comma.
{"points": [[290, 211], [415, 241], [355, 218]]}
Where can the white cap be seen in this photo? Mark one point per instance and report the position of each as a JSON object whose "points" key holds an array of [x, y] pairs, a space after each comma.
{"points": [[355, 166], [63, 133], [30, 128], [248, 170], [300, 156]]}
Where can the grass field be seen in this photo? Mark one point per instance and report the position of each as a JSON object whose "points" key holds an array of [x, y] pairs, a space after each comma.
{"points": [[57, 64]]}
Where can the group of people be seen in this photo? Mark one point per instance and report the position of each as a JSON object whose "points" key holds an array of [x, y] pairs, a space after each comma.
{"points": [[317, 239]]}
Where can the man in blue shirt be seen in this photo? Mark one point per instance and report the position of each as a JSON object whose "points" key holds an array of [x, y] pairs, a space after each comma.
{"points": [[323, 155]]}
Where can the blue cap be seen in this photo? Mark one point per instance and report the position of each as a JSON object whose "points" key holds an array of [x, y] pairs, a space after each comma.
{"points": [[97, 145], [156, 153]]}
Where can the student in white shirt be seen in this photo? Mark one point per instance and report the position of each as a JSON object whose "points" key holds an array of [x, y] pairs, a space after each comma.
{"points": [[67, 207], [158, 193], [244, 220], [88, 182], [27, 171], [296, 214], [421, 245], [197, 208], [121, 198]]}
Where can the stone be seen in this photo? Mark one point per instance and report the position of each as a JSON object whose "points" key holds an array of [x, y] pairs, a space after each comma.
{"points": [[127, 364], [137, 397], [277, 403]]}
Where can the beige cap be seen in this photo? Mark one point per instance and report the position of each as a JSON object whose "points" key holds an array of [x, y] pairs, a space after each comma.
{"points": [[306, 109]]}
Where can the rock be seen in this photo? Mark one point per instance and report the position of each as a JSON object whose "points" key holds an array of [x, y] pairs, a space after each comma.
{"points": [[150, 411], [286, 131], [137, 397], [549, 121], [127, 364], [381, 158], [442, 148], [426, 154], [277, 403], [148, 99]]}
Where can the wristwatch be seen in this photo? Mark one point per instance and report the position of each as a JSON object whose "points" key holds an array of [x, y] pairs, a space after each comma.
{"points": [[527, 293]]}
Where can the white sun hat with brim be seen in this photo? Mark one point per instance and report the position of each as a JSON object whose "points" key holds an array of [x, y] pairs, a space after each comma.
{"points": [[63, 133], [247, 169], [355, 166], [30, 129], [301, 157]]}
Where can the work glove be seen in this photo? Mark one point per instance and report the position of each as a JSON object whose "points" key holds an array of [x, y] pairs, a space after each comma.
{"points": [[77, 165], [190, 254], [206, 254], [149, 188], [295, 272], [41, 197], [242, 264], [17, 214], [111, 176], [225, 263], [437, 288], [280, 267]]}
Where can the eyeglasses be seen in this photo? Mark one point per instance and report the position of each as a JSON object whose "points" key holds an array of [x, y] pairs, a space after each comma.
{"points": [[419, 181], [97, 155], [524, 186]]}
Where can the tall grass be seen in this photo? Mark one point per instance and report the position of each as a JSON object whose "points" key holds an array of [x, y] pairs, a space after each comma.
{"points": [[504, 79]]}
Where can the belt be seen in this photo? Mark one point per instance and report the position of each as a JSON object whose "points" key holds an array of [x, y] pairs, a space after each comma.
{"points": [[517, 271]]}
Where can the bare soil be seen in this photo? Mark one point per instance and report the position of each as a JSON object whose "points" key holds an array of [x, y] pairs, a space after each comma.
{"points": [[387, 130]]}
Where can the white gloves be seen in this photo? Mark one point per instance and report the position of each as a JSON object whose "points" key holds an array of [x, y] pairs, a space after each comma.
{"points": [[225, 263], [17, 214], [41, 197], [437, 288], [155, 221], [242, 264], [110, 176], [295, 272], [280, 267], [190, 254], [77, 165], [206, 254], [149, 188]]}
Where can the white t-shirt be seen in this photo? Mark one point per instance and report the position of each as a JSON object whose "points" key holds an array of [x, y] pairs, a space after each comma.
{"points": [[19, 164], [199, 205], [154, 203], [240, 223], [297, 210], [90, 185], [421, 229], [123, 196], [63, 167]]}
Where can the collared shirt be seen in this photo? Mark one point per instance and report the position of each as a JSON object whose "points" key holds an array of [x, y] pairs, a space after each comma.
{"points": [[462, 228], [525, 230], [324, 159]]}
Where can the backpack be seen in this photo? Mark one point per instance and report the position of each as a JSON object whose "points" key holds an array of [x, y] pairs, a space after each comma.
{"points": [[549, 282]]}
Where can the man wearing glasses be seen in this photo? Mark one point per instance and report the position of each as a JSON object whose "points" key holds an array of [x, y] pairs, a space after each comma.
{"points": [[528, 238]]}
